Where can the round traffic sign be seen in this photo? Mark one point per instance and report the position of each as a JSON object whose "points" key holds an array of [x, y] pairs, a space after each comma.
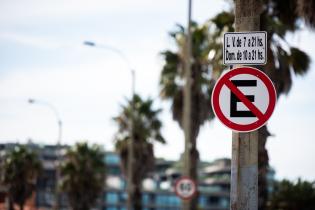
{"points": [[185, 188], [244, 99]]}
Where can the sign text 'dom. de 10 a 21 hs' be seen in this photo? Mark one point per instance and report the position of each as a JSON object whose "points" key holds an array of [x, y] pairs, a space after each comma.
{"points": [[245, 48]]}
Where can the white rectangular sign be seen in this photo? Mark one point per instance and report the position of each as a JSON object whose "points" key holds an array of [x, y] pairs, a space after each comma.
{"points": [[245, 48]]}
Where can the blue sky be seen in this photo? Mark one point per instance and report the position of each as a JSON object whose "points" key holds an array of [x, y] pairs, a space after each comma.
{"points": [[42, 57]]}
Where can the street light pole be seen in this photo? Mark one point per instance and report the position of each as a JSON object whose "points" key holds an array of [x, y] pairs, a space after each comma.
{"points": [[131, 160], [187, 205], [58, 154], [54, 110], [131, 147]]}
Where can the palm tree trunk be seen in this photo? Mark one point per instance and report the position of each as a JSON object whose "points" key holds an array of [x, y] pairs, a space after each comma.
{"points": [[11, 204], [263, 160], [305, 9], [193, 154], [193, 163], [135, 194], [137, 204], [21, 206]]}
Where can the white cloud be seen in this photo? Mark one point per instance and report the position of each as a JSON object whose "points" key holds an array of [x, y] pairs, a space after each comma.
{"points": [[16, 11], [31, 41]]}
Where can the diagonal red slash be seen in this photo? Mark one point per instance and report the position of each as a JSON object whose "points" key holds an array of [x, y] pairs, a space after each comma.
{"points": [[244, 99]]}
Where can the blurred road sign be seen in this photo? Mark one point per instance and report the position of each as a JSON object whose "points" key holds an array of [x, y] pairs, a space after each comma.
{"points": [[245, 48], [243, 99], [185, 188]]}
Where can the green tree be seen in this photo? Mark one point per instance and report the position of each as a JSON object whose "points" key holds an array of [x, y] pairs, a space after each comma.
{"points": [[293, 196], [147, 129], [83, 175], [21, 168]]}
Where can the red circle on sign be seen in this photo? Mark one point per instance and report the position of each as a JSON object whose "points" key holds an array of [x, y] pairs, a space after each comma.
{"points": [[182, 195], [225, 81]]}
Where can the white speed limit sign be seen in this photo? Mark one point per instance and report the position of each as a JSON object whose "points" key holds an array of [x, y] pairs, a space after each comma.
{"points": [[185, 188]]}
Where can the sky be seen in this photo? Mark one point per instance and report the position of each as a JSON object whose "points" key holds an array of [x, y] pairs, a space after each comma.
{"points": [[42, 57]]}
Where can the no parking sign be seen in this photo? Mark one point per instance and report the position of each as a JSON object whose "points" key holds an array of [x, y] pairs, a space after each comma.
{"points": [[243, 99]]}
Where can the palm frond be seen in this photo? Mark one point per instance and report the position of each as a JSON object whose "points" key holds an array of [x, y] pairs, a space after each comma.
{"points": [[300, 61], [83, 173], [147, 128], [306, 10]]}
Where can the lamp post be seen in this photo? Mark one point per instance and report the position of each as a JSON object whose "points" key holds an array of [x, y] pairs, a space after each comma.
{"points": [[54, 110], [59, 122], [130, 174], [187, 205]]}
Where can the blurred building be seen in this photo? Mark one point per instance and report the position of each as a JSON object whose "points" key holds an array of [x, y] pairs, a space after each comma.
{"points": [[158, 193]]}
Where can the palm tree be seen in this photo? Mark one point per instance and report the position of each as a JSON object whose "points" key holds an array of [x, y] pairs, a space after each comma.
{"points": [[284, 61], [278, 19], [21, 168], [83, 175], [147, 129], [306, 10], [202, 77]]}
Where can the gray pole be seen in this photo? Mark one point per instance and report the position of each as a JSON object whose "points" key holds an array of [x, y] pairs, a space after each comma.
{"points": [[244, 171], [187, 104], [130, 174]]}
